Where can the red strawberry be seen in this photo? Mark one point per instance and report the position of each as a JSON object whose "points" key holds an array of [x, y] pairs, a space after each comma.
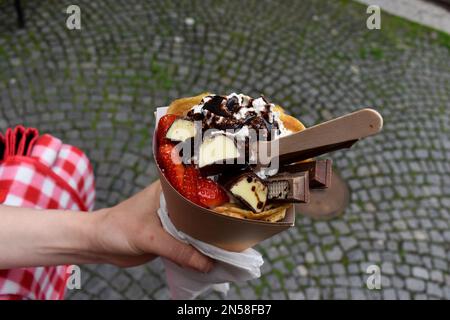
{"points": [[163, 125], [171, 163], [210, 194], [190, 181]]}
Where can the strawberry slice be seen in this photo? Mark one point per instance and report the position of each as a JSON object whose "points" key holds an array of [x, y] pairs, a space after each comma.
{"points": [[171, 164], [190, 181], [210, 194], [163, 126]]}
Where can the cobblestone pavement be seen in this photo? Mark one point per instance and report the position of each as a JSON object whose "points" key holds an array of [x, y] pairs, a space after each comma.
{"points": [[97, 89]]}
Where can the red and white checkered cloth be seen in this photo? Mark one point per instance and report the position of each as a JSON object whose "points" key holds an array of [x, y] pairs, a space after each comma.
{"points": [[43, 174]]}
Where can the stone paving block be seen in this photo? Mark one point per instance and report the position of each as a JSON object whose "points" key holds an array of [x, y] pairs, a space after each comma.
{"points": [[415, 285], [421, 273], [312, 293], [162, 294], [447, 293], [296, 296], [434, 290], [357, 294], [347, 243], [335, 254], [437, 276], [121, 281], [276, 295], [389, 294]]}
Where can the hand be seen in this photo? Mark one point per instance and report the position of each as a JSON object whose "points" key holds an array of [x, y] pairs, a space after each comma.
{"points": [[130, 234]]}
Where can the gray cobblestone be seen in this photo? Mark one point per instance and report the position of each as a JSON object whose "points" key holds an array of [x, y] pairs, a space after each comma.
{"points": [[403, 270], [420, 273], [163, 294], [438, 251], [341, 227], [335, 254], [403, 295], [437, 276], [312, 294], [302, 270], [357, 294], [434, 290], [387, 268], [415, 285], [274, 282], [309, 257], [356, 255], [389, 294], [338, 269], [296, 296], [348, 243], [398, 283], [121, 282], [447, 293]]}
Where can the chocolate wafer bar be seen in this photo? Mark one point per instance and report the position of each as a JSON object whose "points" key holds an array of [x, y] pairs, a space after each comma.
{"points": [[320, 172], [289, 187]]}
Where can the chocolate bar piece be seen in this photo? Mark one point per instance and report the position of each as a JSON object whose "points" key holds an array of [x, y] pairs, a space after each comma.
{"points": [[320, 172], [289, 187], [249, 189]]}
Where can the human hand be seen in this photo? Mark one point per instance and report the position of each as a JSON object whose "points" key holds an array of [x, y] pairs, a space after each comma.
{"points": [[130, 234]]}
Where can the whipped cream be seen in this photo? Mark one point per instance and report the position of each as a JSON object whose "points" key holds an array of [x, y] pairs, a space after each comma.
{"points": [[239, 112]]}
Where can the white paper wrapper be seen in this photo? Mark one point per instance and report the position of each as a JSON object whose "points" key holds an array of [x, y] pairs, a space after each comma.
{"points": [[229, 266]]}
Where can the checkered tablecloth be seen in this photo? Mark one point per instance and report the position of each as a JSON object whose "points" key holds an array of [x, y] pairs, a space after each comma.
{"points": [[41, 172]]}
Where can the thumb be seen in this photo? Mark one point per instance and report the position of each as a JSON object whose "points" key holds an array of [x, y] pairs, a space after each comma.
{"points": [[182, 254]]}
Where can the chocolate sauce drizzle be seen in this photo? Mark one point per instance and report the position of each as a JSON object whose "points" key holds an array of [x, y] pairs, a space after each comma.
{"points": [[218, 112]]}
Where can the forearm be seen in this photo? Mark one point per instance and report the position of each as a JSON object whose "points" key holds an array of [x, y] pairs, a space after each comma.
{"points": [[128, 234], [31, 238]]}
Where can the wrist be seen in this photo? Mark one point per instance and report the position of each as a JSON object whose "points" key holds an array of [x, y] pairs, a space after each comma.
{"points": [[82, 233], [70, 238], [96, 235]]}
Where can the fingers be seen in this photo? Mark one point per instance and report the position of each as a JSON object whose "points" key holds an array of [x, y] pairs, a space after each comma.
{"points": [[182, 254], [126, 261], [164, 245]]}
